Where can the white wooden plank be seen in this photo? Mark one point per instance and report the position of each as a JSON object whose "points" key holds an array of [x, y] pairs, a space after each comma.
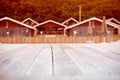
{"points": [[63, 64], [108, 65], [71, 61], [42, 65], [84, 63], [17, 62], [105, 51]]}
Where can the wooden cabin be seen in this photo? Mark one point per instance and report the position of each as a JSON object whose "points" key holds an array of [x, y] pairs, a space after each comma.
{"points": [[81, 28], [70, 21], [50, 27], [114, 22], [10, 27], [30, 22]]}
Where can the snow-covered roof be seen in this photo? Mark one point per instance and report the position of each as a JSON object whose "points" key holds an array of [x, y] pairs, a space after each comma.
{"points": [[50, 21], [10, 19], [69, 20], [117, 26], [30, 20], [90, 19], [110, 20]]}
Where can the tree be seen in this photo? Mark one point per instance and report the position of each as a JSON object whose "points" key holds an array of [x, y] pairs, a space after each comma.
{"points": [[59, 10]]}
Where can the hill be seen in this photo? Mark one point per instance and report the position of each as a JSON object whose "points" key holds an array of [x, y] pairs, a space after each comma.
{"points": [[58, 10]]}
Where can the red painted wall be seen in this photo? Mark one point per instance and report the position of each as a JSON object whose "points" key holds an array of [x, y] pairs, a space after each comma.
{"points": [[82, 29], [14, 29], [71, 22], [51, 28], [28, 22]]}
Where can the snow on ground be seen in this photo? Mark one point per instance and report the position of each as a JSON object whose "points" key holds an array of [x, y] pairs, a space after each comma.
{"points": [[96, 61]]}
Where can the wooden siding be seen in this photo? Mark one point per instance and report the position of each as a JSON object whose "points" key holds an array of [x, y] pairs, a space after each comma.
{"points": [[51, 28], [29, 22], [57, 39], [69, 23], [14, 29], [82, 29]]}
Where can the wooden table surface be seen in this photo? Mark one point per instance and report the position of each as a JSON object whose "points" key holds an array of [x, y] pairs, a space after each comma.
{"points": [[60, 61]]}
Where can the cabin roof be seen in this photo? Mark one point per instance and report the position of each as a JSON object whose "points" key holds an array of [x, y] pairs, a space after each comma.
{"points": [[110, 20], [90, 19], [117, 23], [69, 20], [15, 21], [48, 22], [30, 20]]}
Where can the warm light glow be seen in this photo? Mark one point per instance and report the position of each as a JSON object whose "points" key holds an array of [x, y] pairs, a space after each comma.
{"points": [[41, 32], [75, 32], [7, 32]]}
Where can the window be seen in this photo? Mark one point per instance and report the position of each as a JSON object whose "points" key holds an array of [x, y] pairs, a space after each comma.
{"points": [[83, 31]]}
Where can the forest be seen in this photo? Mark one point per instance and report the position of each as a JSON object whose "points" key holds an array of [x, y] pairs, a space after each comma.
{"points": [[59, 10]]}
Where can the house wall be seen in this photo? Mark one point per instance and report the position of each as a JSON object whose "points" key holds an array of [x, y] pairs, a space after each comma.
{"points": [[114, 22], [14, 29], [83, 29], [51, 28], [28, 22], [71, 22], [119, 31]]}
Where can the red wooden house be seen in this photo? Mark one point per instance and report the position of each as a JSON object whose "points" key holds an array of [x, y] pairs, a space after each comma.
{"points": [[70, 22], [30, 22], [11, 27], [50, 27], [81, 28], [114, 22]]}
